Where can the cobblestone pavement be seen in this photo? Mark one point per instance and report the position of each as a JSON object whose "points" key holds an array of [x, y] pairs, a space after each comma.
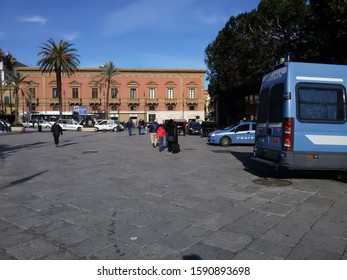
{"points": [[112, 196]]}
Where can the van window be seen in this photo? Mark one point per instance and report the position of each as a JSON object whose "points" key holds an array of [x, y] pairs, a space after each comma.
{"points": [[262, 107], [320, 102], [276, 103]]}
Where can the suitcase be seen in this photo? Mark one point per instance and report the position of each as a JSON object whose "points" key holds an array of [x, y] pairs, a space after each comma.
{"points": [[176, 148]]}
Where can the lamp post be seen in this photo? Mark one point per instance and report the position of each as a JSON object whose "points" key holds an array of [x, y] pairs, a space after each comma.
{"points": [[106, 117], [1, 99], [182, 105]]}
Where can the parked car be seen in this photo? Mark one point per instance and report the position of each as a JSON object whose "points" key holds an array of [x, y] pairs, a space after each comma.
{"points": [[193, 128], [242, 133], [43, 123], [207, 127], [70, 124], [5, 126], [109, 125]]}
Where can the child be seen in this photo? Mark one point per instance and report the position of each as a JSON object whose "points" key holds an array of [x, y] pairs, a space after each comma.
{"points": [[160, 136]]}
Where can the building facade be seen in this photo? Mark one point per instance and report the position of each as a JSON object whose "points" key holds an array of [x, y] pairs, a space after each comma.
{"points": [[135, 93]]}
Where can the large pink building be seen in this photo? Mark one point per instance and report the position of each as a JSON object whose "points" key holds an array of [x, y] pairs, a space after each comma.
{"points": [[135, 93]]}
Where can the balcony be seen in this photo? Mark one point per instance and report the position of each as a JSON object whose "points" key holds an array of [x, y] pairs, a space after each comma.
{"points": [[192, 101], [152, 101], [132, 101], [170, 101], [115, 101]]}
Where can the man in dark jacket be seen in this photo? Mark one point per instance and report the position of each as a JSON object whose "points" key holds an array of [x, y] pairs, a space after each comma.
{"points": [[57, 131]]}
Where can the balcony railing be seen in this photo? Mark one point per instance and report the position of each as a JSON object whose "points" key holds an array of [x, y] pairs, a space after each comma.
{"points": [[152, 101], [170, 101]]}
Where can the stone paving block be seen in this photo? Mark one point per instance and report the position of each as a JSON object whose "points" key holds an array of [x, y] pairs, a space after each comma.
{"points": [[155, 252], [34, 220], [250, 255], [61, 254], [32, 249], [228, 240], [206, 252], [212, 221], [6, 256], [323, 239], [275, 209], [13, 236], [177, 241], [113, 228], [4, 224], [274, 250], [91, 245], [145, 236], [119, 250], [172, 223], [302, 252], [253, 224], [291, 198]]}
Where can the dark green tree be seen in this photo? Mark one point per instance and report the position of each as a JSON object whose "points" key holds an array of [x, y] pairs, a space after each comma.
{"points": [[327, 32], [59, 58]]}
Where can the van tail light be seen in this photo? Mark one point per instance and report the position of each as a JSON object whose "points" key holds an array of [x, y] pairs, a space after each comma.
{"points": [[288, 134]]}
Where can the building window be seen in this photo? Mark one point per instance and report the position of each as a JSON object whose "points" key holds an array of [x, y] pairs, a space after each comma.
{"points": [[32, 92], [7, 100], [55, 93], [191, 93], [75, 92], [170, 93], [114, 107], [33, 107], [132, 93], [151, 93], [55, 107], [191, 107], [94, 92], [133, 108], [151, 107], [114, 92], [170, 107]]}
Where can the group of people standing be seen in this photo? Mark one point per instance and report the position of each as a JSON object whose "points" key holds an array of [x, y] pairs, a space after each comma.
{"points": [[161, 135], [165, 136]]}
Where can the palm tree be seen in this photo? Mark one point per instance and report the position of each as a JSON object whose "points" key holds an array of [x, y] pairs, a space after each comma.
{"points": [[60, 58], [16, 79], [108, 71]]}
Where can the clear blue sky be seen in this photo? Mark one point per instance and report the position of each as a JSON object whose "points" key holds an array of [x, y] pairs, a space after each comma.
{"points": [[131, 33]]}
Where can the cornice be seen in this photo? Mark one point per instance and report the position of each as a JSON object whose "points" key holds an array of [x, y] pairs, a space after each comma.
{"points": [[127, 70]]}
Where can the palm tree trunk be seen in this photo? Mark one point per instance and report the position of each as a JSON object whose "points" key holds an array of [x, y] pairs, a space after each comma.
{"points": [[107, 97], [16, 104], [58, 76]]}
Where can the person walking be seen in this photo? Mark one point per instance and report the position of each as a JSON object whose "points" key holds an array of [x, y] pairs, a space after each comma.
{"points": [[129, 126], [57, 131], [172, 138], [153, 133], [160, 135]]}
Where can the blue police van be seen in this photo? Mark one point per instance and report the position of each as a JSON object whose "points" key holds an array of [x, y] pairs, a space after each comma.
{"points": [[301, 117]]}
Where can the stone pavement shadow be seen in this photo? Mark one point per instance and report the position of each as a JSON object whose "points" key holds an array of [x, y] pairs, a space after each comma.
{"points": [[22, 180], [264, 171]]}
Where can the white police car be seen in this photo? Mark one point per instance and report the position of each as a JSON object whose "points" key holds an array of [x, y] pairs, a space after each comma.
{"points": [[241, 133]]}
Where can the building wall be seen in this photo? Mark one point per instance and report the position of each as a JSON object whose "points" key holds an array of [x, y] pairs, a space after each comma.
{"points": [[181, 81]]}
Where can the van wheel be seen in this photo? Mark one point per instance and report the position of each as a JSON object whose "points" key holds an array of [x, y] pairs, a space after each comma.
{"points": [[225, 141]]}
